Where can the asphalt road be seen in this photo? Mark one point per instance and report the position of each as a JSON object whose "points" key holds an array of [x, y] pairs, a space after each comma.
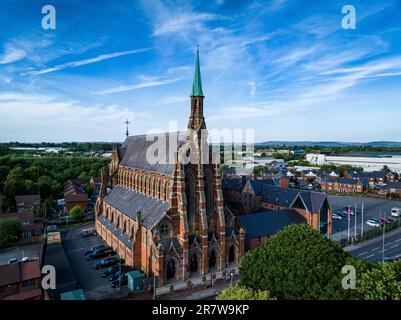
{"points": [[373, 251], [91, 281], [372, 209]]}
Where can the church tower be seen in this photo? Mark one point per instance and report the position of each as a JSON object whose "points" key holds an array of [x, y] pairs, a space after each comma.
{"points": [[196, 119]]}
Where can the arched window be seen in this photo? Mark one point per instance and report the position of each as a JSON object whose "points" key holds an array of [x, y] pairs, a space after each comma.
{"points": [[164, 230]]}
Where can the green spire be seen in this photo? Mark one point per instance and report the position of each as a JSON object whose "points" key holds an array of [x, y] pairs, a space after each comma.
{"points": [[197, 85]]}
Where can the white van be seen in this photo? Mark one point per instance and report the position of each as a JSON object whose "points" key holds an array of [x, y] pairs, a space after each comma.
{"points": [[395, 212]]}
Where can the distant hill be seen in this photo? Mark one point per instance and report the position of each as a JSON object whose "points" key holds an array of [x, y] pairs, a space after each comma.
{"points": [[332, 143]]}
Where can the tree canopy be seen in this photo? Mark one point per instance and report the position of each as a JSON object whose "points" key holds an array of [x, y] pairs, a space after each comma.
{"points": [[77, 213], [10, 231], [298, 263]]}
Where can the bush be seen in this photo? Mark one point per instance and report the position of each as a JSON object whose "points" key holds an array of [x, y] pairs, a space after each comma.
{"points": [[77, 213], [241, 293]]}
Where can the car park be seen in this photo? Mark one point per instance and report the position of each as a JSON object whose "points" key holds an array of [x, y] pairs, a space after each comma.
{"points": [[373, 223]]}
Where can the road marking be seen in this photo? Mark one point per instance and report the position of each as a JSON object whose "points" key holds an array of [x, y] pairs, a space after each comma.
{"points": [[363, 253], [372, 255], [395, 246], [397, 240], [387, 244], [375, 249]]}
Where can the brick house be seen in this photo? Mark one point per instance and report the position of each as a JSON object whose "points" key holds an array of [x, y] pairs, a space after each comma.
{"points": [[32, 228], [27, 202], [394, 188], [391, 177], [313, 206], [74, 195], [308, 174], [344, 185], [21, 281], [374, 177]]}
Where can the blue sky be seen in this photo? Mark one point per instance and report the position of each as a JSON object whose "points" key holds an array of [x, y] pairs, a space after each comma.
{"points": [[284, 68]]}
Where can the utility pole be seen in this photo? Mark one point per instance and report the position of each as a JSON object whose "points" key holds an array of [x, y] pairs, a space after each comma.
{"points": [[349, 220], [355, 222], [362, 221], [384, 232], [154, 275]]}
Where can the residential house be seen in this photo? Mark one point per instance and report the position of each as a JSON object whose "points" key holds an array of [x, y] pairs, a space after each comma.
{"points": [[391, 177], [74, 195], [28, 202], [32, 228], [344, 185], [21, 281], [394, 188]]}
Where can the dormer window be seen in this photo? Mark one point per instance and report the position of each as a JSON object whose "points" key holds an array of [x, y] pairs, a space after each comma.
{"points": [[164, 230]]}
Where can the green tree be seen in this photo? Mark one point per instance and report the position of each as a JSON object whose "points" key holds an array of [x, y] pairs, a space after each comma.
{"points": [[381, 283], [45, 187], [386, 169], [10, 231], [238, 292], [77, 213], [298, 263]]}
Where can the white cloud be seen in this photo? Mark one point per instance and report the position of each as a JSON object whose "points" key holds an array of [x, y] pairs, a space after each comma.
{"points": [[141, 85], [39, 117], [12, 53], [74, 64]]}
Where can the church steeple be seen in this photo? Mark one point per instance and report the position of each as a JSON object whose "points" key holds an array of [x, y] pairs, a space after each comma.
{"points": [[197, 84], [196, 119]]}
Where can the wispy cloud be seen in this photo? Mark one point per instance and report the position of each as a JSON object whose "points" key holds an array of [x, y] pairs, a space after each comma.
{"points": [[141, 85], [74, 64], [12, 53]]}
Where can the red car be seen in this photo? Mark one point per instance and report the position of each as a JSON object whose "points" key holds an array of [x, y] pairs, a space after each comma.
{"points": [[385, 221]]}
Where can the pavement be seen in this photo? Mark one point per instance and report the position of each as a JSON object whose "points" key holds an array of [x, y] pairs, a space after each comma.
{"points": [[372, 250], [372, 209], [91, 281]]}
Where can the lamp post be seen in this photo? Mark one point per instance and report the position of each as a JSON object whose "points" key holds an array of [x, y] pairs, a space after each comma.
{"points": [[154, 276]]}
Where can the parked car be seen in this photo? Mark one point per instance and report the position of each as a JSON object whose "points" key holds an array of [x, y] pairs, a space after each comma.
{"points": [[384, 221], [395, 212], [107, 263], [12, 260], [93, 249], [122, 280], [117, 274], [392, 220], [373, 223], [87, 232], [102, 253], [343, 215], [110, 271], [336, 216], [351, 211]]}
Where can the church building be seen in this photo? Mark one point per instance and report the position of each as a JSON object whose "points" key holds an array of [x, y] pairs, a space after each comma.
{"points": [[168, 218]]}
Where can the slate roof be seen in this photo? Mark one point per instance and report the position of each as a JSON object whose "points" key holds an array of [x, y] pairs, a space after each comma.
{"points": [[134, 149], [269, 222], [130, 202], [257, 185], [234, 184], [394, 185], [285, 197], [122, 236], [376, 174]]}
